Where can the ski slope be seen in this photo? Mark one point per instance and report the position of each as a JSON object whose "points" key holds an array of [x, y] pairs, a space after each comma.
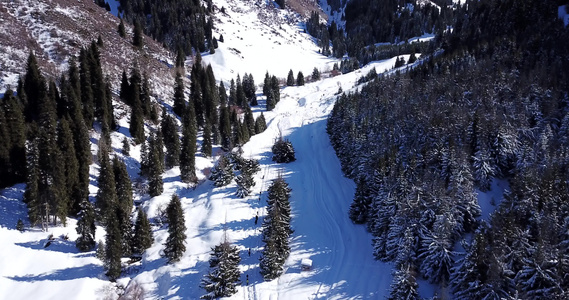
{"points": [[343, 265]]}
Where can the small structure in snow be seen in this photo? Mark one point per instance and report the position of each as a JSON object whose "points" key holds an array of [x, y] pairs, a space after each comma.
{"points": [[306, 264]]}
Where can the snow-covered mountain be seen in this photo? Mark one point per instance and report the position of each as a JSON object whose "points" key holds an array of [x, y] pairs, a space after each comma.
{"points": [[258, 38]]}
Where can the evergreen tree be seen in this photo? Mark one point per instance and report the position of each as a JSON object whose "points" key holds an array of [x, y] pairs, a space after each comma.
{"points": [[31, 195], [20, 225], [156, 167], [15, 137], [171, 140], [86, 93], [222, 94], [4, 151], [121, 29], [222, 172], [283, 152], [276, 89], [315, 74], [34, 87], [174, 246], [86, 227], [290, 78], [260, 124], [300, 79], [107, 194], [360, 206], [125, 146], [281, 3], [145, 101], [136, 116], [142, 238], [206, 143], [70, 163], [187, 157], [125, 203], [113, 248], [137, 40], [179, 98], [225, 128], [223, 277], [404, 284]]}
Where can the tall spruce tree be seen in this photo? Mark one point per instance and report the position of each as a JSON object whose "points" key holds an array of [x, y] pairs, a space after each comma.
{"points": [[300, 79], [187, 156], [206, 142], [171, 140], [290, 78], [156, 166], [86, 227], [107, 194], [142, 238], [223, 277], [125, 203], [70, 163], [175, 243], [260, 124], [113, 247], [15, 137], [179, 97]]}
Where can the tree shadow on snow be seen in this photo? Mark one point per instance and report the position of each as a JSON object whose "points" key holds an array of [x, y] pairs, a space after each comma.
{"points": [[12, 207], [86, 271]]}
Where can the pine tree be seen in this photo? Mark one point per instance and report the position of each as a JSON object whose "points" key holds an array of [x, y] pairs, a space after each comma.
{"points": [[137, 40], [187, 157], [283, 152], [360, 206], [260, 124], [86, 93], [31, 195], [223, 277], [315, 74], [174, 246], [404, 284], [300, 79], [113, 248], [20, 225], [107, 194], [222, 94], [136, 117], [222, 172], [142, 238], [276, 89], [225, 128], [206, 143], [70, 163], [290, 78], [156, 166], [125, 203], [4, 151], [34, 88], [145, 101], [86, 227], [15, 137], [179, 98], [121, 29], [171, 140], [125, 146]]}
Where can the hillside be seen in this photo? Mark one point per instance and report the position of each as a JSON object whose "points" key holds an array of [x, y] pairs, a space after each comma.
{"points": [[56, 30], [315, 178]]}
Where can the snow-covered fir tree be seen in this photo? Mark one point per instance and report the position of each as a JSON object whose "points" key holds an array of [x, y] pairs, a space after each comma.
{"points": [[86, 227], [222, 172], [175, 243], [223, 276]]}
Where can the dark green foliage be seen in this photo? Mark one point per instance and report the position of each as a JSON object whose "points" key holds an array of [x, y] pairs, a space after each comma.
{"points": [[187, 156], [171, 140], [121, 29], [155, 165], [180, 58], [283, 152], [281, 3], [113, 248], [225, 128], [125, 146], [271, 90], [222, 172], [142, 238], [31, 195], [179, 98], [13, 133], [290, 78], [34, 87], [300, 79], [70, 164], [315, 74], [404, 284], [359, 208], [174, 246], [276, 230], [137, 115], [86, 84], [223, 277], [145, 101], [260, 124], [249, 122], [86, 227], [177, 24], [249, 89], [206, 142], [107, 199], [137, 39]]}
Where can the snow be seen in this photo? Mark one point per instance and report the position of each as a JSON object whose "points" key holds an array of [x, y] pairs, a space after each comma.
{"points": [[489, 200], [563, 14], [340, 252]]}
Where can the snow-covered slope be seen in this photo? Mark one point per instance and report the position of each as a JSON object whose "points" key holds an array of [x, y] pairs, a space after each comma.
{"points": [[343, 266]]}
